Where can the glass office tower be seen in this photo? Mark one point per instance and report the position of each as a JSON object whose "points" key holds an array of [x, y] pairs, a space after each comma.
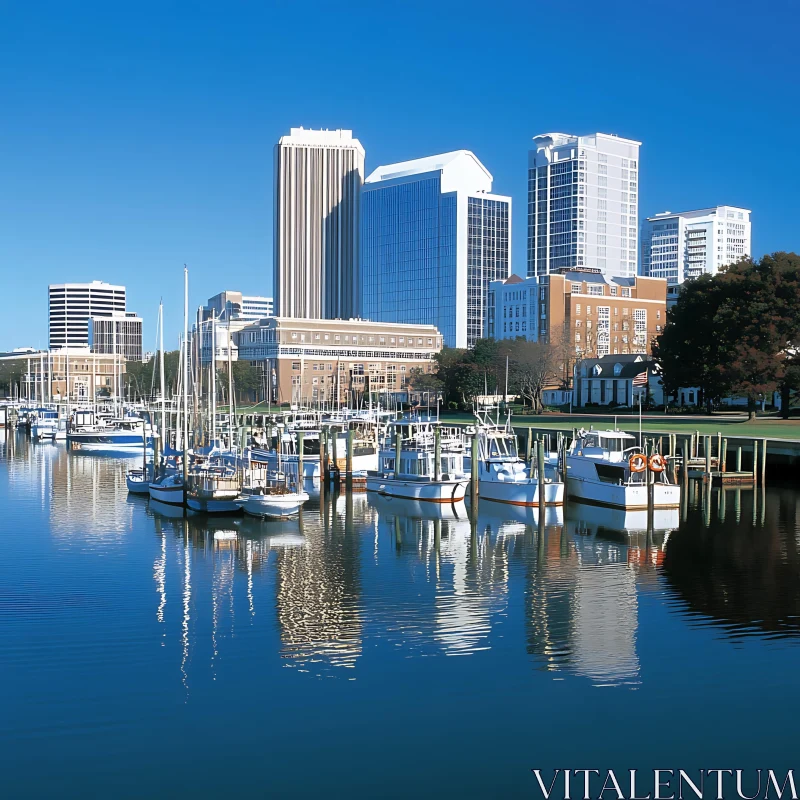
{"points": [[432, 238]]}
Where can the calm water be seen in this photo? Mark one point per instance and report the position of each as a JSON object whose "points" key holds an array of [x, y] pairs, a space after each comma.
{"points": [[370, 650]]}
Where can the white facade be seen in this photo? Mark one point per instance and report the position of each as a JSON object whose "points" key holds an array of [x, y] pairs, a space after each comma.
{"points": [[583, 203], [240, 306], [120, 333], [689, 244], [254, 307], [433, 236], [511, 309], [318, 179], [70, 305]]}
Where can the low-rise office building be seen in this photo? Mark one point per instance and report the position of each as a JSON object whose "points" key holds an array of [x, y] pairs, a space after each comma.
{"points": [[586, 313], [336, 360], [74, 373]]}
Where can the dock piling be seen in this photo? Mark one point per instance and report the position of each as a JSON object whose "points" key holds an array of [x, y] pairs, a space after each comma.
{"points": [[541, 481], [473, 484]]}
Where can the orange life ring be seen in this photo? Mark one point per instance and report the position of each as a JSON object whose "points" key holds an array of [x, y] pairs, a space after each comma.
{"points": [[637, 463], [657, 463]]}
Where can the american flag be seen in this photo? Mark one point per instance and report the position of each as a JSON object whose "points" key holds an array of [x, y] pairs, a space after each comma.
{"points": [[640, 379]]}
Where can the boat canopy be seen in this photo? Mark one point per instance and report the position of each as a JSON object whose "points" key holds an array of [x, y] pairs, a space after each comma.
{"points": [[613, 441]]}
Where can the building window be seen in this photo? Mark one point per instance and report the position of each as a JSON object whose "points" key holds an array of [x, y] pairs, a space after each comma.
{"points": [[295, 365]]}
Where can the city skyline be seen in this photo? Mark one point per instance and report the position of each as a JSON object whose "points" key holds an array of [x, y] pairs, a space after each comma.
{"points": [[130, 174]]}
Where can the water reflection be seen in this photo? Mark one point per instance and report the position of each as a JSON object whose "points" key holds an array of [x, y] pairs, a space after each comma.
{"points": [[737, 563], [421, 580]]}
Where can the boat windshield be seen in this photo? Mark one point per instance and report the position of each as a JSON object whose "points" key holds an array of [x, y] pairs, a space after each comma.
{"points": [[612, 444]]}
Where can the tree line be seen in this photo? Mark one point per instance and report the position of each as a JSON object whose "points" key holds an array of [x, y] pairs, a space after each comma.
{"points": [[736, 332], [143, 380], [512, 367]]}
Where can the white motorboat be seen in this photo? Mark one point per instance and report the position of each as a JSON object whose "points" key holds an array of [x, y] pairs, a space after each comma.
{"points": [[265, 501], [122, 437], [168, 489], [44, 429], [609, 468], [414, 477], [504, 477]]}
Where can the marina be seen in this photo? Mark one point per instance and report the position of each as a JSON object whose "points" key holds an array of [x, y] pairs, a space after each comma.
{"points": [[322, 611]]}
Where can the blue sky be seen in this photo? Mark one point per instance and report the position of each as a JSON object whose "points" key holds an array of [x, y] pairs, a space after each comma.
{"points": [[138, 137]]}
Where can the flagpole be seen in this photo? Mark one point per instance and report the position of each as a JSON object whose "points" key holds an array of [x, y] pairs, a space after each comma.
{"points": [[640, 418]]}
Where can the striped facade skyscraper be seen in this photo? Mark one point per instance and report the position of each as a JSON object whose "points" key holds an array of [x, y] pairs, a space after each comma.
{"points": [[318, 179]]}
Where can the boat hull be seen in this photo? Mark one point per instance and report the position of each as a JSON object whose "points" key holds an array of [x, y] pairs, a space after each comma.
{"points": [[522, 493], [272, 506], [212, 505], [137, 486], [104, 443], [451, 491], [172, 495], [626, 496]]}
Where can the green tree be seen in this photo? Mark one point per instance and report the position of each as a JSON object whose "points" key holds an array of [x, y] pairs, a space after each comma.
{"points": [[689, 350], [11, 372], [736, 332], [422, 381]]}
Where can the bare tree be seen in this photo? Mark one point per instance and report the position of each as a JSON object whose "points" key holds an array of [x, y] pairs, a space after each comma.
{"points": [[534, 366]]}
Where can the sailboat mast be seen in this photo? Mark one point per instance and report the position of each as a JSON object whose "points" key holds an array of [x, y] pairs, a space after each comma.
{"points": [[161, 372], [213, 378], [185, 377], [230, 385]]}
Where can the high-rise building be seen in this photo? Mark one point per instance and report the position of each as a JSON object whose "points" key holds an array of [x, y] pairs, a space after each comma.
{"points": [[70, 306], [689, 244], [121, 333], [583, 201], [318, 178], [433, 236], [231, 311], [240, 306]]}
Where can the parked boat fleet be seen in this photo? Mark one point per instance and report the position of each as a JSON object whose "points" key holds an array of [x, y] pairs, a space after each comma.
{"points": [[273, 472]]}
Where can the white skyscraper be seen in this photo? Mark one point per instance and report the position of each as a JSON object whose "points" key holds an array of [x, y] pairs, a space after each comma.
{"points": [[70, 306], [318, 178], [583, 200], [692, 243]]}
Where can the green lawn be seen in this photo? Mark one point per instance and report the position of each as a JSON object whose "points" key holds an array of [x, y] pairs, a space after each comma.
{"points": [[728, 425], [766, 427]]}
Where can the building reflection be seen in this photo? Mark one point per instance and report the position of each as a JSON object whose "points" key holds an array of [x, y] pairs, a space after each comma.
{"points": [[459, 568], [582, 600], [318, 587], [83, 495]]}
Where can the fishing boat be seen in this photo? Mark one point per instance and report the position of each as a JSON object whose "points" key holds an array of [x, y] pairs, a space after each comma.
{"points": [[504, 477], [214, 489], [609, 468], [409, 469], [271, 495]]}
